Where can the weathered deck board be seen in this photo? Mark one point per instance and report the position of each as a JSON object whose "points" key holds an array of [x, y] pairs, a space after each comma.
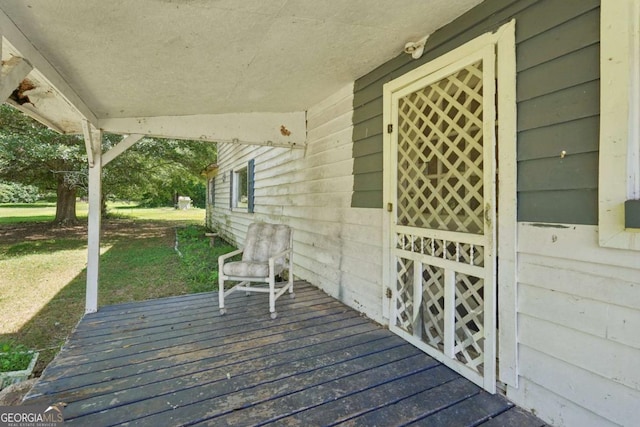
{"points": [[176, 361]]}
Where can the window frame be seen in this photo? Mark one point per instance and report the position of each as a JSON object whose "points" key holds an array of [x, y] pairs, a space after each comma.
{"points": [[235, 188], [212, 191], [619, 156]]}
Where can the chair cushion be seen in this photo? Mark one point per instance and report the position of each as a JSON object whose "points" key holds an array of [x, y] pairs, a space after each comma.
{"points": [[249, 269], [264, 240]]}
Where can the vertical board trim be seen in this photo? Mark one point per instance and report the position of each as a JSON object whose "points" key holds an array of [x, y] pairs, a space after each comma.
{"points": [[619, 163], [250, 185]]}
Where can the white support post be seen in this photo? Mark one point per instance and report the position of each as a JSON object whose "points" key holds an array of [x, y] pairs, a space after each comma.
{"points": [[93, 139]]}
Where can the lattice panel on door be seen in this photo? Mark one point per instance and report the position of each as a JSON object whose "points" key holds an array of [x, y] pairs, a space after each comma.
{"points": [[420, 310], [404, 299], [432, 310], [469, 321], [467, 253], [440, 152]]}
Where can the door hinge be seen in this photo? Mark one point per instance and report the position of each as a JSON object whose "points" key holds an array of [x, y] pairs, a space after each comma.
{"points": [[389, 293], [390, 128], [389, 207]]}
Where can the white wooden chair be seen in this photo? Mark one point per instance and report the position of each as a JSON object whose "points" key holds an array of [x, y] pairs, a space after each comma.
{"points": [[268, 251]]}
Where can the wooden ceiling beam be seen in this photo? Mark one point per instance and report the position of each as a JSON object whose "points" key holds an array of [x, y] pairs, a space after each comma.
{"points": [[286, 130]]}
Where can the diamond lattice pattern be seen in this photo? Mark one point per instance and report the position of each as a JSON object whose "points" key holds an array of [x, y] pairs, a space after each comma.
{"points": [[440, 152], [404, 300], [433, 306], [469, 323]]}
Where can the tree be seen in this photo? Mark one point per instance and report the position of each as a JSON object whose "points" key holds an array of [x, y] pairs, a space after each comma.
{"points": [[32, 154], [154, 169]]}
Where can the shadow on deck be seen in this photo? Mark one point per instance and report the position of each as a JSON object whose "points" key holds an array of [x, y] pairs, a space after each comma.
{"points": [[176, 361]]}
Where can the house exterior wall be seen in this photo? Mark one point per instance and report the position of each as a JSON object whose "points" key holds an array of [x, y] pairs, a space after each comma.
{"points": [[578, 304], [337, 248], [558, 102], [578, 323]]}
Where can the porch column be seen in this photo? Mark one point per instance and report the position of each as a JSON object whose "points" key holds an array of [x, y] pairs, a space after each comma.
{"points": [[93, 143]]}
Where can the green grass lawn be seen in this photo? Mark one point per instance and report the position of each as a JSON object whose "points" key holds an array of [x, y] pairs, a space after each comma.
{"points": [[42, 285], [42, 212]]}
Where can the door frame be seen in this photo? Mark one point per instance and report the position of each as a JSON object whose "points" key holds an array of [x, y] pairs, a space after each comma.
{"points": [[505, 49]]}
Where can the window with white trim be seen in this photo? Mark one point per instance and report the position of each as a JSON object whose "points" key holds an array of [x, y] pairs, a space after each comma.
{"points": [[619, 165], [242, 188]]}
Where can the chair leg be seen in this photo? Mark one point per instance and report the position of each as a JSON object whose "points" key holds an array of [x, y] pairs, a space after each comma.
{"points": [[221, 294], [272, 296], [290, 275]]}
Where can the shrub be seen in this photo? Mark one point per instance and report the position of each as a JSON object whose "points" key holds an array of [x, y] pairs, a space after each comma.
{"points": [[199, 261], [14, 357], [13, 192]]}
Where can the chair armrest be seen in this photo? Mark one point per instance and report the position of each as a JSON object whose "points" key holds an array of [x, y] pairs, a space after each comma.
{"points": [[230, 254], [279, 255], [223, 258]]}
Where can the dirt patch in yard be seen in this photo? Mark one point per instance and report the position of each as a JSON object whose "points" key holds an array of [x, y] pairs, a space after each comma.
{"points": [[111, 229], [21, 232]]}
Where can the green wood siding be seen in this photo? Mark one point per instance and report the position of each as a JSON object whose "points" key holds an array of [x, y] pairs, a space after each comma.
{"points": [[568, 104], [558, 54], [575, 172], [632, 214], [577, 136], [547, 206]]}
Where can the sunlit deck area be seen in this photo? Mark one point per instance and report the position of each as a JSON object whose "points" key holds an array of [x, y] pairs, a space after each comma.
{"points": [[176, 361]]}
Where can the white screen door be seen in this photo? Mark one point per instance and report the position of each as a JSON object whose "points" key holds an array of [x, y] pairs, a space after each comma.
{"points": [[442, 183]]}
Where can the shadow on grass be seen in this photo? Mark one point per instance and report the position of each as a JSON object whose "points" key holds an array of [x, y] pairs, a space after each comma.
{"points": [[28, 205], [43, 246], [29, 238], [25, 219], [127, 207]]}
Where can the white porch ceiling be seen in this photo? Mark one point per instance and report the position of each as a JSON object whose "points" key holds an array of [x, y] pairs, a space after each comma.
{"points": [[158, 58]]}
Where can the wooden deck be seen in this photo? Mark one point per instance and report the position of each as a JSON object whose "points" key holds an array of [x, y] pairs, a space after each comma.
{"points": [[176, 361]]}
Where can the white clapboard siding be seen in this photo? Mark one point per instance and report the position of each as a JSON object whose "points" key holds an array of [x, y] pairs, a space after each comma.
{"points": [[621, 283], [589, 391], [336, 247], [606, 359], [611, 314], [572, 311], [578, 323], [335, 107], [556, 410], [276, 179], [573, 242]]}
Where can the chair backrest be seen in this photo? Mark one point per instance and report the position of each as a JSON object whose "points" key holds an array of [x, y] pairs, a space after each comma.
{"points": [[265, 240]]}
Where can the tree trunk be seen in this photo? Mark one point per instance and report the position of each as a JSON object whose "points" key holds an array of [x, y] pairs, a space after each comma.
{"points": [[103, 206], [66, 205]]}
